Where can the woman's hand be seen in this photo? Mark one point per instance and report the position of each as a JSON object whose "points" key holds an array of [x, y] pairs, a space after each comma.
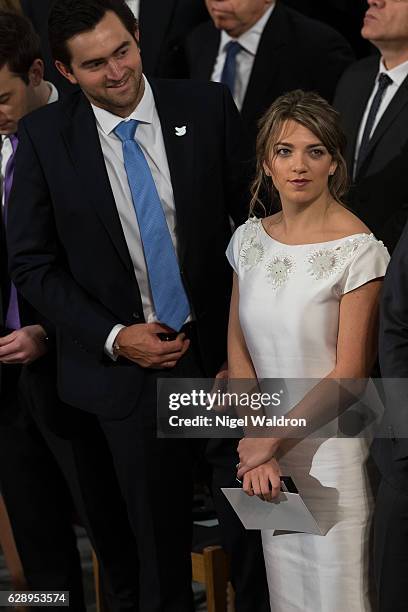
{"points": [[263, 481], [254, 452]]}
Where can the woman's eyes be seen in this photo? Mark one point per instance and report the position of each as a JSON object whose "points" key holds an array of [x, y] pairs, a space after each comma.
{"points": [[315, 153]]}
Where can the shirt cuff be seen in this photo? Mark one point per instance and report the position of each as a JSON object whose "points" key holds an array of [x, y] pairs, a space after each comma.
{"points": [[111, 340]]}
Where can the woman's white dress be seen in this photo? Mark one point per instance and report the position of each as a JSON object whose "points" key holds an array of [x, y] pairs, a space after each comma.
{"points": [[289, 297]]}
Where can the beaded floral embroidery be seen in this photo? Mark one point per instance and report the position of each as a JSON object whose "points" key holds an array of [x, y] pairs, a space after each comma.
{"points": [[251, 229], [251, 254], [325, 262], [278, 270], [252, 250]]}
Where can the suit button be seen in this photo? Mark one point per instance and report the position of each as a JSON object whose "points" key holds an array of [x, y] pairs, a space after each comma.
{"points": [[136, 316]]}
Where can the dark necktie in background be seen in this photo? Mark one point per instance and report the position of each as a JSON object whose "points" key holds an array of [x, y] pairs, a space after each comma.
{"points": [[13, 315], [230, 66], [169, 296], [383, 82]]}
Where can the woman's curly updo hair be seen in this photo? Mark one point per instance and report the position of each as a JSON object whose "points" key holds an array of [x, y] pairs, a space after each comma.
{"points": [[317, 115]]}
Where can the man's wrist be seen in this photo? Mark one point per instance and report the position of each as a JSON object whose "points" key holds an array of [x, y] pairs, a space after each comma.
{"points": [[116, 347], [110, 341]]}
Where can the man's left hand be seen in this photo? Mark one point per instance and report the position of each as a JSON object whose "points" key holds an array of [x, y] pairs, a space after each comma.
{"points": [[24, 345]]}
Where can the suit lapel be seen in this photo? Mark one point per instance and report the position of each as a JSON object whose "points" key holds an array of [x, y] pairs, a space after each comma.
{"points": [[351, 122], [399, 101], [82, 140], [270, 54], [154, 24], [180, 156]]}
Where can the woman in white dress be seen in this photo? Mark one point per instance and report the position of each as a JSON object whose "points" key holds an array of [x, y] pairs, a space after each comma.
{"points": [[305, 305]]}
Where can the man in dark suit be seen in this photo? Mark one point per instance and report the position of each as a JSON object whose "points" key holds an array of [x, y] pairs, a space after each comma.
{"points": [[48, 552], [391, 446], [120, 214], [372, 98], [373, 101], [164, 23], [47, 453], [262, 49]]}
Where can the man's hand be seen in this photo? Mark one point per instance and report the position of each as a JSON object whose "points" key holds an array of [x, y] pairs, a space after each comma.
{"points": [[254, 452], [140, 343], [24, 345], [263, 481]]}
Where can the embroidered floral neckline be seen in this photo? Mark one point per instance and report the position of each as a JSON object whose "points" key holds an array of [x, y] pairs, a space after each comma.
{"points": [[256, 221], [322, 262]]}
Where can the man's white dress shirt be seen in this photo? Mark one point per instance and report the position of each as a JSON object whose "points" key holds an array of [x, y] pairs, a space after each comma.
{"points": [[249, 42], [150, 138], [134, 6], [397, 75]]}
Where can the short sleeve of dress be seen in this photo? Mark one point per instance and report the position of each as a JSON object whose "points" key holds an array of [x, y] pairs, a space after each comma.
{"points": [[369, 261], [234, 248]]}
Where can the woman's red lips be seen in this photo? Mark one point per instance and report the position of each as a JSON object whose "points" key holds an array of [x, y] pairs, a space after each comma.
{"points": [[300, 181]]}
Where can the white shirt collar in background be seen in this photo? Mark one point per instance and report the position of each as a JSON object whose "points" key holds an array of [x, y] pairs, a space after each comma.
{"points": [[250, 39], [397, 75], [245, 59], [134, 6]]}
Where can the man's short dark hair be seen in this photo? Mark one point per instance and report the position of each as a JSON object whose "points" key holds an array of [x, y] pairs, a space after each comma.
{"points": [[19, 44], [71, 17]]}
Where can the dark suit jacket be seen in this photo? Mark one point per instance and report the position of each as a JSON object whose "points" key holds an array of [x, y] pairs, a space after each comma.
{"points": [[27, 313], [10, 374], [163, 26], [379, 195], [68, 254], [391, 451], [346, 16], [294, 52]]}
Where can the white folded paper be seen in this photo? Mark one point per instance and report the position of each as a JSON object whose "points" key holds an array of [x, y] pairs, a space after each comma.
{"points": [[287, 513]]}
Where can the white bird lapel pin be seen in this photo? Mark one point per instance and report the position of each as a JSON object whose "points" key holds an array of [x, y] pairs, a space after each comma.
{"points": [[181, 131]]}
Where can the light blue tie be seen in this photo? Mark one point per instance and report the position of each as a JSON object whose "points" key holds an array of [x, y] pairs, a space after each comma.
{"points": [[169, 296], [230, 66]]}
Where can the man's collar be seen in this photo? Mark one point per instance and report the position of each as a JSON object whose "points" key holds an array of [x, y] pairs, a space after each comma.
{"points": [[249, 40], [397, 74], [53, 93], [142, 113]]}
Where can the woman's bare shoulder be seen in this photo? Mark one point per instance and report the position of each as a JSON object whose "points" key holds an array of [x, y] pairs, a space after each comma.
{"points": [[346, 223]]}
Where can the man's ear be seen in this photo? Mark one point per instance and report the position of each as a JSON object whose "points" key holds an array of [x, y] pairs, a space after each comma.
{"points": [[66, 72], [137, 37], [36, 72]]}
